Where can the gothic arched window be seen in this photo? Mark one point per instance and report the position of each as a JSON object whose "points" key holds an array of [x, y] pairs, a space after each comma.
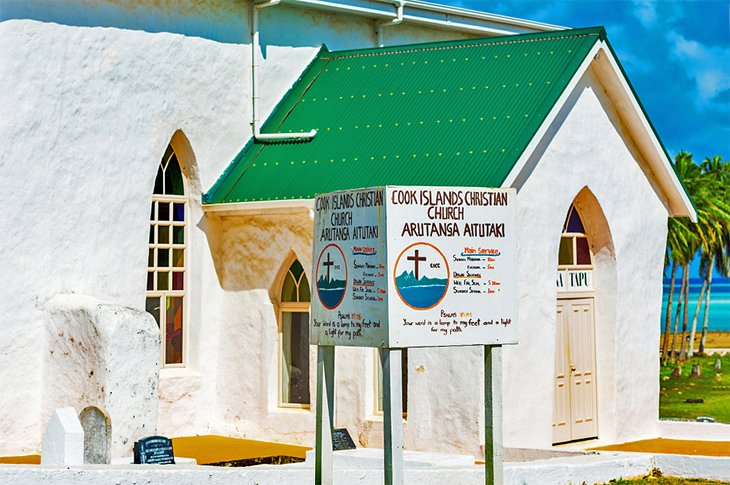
{"points": [[294, 337], [166, 258], [574, 248]]}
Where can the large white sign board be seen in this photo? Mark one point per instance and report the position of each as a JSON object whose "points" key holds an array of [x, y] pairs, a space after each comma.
{"points": [[415, 267]]}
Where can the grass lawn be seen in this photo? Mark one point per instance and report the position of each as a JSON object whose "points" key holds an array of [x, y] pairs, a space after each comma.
{"points": [[664, 481], [713, 387]]}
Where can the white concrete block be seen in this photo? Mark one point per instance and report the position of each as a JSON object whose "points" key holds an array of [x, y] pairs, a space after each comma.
{"points": [[103, 355], [373, 458], [63, 440], [691, 430]]}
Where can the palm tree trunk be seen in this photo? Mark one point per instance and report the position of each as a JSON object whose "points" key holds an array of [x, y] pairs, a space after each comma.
{"points": [[685, 274], [703, 340], [668, 316], [673, 352], [691, 345]]}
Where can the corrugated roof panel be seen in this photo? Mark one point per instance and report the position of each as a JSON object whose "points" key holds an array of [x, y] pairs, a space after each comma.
{"points": [[457, 113]]}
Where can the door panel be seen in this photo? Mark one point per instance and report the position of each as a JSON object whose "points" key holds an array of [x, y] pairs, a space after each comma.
{"points": [[561, 408], [575, 363]]}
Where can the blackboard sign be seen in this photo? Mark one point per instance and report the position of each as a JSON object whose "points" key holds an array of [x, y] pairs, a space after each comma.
{"points": [[155, 450], [341, 440]]}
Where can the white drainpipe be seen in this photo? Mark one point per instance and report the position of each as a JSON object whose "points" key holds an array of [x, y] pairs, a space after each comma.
{"points": [[255, 48], [331, 5], [397, 20]]}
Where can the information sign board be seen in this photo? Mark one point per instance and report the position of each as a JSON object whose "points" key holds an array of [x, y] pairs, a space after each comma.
{"points": [[415, 267]]}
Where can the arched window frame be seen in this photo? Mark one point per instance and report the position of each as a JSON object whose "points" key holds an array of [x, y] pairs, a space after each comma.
{"points": [[155, 286], [574, 239], [283, 306]]}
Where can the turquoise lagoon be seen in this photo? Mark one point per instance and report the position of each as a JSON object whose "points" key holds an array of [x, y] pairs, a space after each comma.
{"points": [[719, 303]]}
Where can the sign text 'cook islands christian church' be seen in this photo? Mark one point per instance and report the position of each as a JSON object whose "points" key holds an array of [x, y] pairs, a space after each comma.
{"points": [[415, 267]]}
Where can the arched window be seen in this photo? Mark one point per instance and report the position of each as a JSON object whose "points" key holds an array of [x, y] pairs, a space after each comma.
{"points": [[294, 338], [166, 258], [575, 251], [575, 262]]}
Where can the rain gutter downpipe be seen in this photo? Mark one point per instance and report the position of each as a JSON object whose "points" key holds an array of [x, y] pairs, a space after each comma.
{"points": [[255, 49], [399, 4]]}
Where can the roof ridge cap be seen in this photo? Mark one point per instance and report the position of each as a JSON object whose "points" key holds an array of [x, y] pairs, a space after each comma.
{"points": [[505, 40]]}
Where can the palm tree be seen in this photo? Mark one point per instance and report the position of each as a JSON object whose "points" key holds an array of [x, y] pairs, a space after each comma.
{"points": [[709, 186], [668, 313], [689, 173], [717, 253], [681, 241]]}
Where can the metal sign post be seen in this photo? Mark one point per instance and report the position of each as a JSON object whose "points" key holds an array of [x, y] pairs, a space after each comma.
{"points": [[393, 416], [493, 471], [397, 267], [325, 414]]}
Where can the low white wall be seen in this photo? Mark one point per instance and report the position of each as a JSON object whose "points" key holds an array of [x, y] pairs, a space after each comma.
{"points": [[559, 471], [689, 430], [106, 356]]}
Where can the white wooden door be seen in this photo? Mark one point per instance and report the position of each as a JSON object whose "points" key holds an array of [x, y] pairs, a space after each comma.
{"points": [[574, 412]]}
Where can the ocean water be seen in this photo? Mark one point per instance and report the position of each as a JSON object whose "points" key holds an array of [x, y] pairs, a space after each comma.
{"points": [[719, 304], [330, 297], [422, 296]]}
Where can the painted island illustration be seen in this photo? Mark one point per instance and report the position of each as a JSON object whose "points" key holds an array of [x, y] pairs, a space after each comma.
{"points": [[422, 276], [331, 276]]}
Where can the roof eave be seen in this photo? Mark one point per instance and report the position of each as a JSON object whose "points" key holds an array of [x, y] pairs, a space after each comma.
{"points": [[614, 79], [267, 207], [655, 154]]}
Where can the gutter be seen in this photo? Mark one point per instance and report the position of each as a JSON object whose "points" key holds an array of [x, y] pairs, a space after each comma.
{"points": [[255, 49], [431, 14]]}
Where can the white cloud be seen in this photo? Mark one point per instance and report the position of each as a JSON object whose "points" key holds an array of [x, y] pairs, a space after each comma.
{"points": [[685, 47], [708, 65], [645, 12]]}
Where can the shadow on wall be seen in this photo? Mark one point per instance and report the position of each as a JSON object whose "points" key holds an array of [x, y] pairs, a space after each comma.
{"points": [[248, 251], [223, 21]]}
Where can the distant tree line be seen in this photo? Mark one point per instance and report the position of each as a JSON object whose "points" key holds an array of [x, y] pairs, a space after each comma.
{"points": [[708, 184]]}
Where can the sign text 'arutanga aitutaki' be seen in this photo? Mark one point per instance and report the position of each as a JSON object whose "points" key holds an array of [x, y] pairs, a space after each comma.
{"points": [[415, 267]]}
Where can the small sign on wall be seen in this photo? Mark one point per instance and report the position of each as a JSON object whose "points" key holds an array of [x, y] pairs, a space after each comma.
{"points": [[415, 267], [575, 280]]}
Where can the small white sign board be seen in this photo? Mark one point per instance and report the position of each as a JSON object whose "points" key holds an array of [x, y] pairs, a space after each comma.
{"points": [[574, 280], [403, 267]]}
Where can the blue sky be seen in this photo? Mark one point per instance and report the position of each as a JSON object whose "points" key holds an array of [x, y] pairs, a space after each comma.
{"points": [[676, 54]]}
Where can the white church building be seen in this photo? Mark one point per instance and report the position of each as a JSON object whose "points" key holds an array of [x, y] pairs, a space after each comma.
{"points": [[158, 169]]}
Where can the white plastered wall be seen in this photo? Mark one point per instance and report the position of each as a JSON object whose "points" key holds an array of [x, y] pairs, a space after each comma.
{"points": [[93, 97], [587, 145]]}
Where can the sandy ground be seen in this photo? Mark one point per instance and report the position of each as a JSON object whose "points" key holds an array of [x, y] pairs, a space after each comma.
{"points": [[673, 447], [714, 340], [216, 449], [205, 449]]}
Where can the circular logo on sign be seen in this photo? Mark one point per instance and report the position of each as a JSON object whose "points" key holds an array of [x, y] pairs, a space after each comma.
{"points": [[421, 276], [331, 276]]}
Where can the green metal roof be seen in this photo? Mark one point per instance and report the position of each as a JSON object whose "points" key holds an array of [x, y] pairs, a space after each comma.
{"points": [[457, 113]]}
